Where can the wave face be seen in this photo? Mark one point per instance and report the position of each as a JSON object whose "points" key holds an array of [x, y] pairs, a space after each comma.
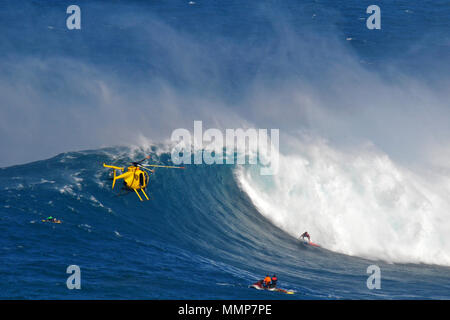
{"points": [[202, 236]]}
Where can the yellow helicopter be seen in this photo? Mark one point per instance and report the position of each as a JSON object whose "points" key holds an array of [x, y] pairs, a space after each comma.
{"points": [[137, 176]]}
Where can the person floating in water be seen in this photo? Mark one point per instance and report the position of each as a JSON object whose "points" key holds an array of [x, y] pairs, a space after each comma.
{"points": [[305, 235], [51, 219]]}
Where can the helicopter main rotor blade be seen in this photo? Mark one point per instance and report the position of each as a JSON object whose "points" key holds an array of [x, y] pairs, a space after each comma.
{"points": [[140, 161], [158, 166], [148, 170]]}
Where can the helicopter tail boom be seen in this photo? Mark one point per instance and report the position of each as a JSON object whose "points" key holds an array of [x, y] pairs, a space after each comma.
{"points": [[114, 173], [113, 167]]}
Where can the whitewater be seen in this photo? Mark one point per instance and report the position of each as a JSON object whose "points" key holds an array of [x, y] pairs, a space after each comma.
{"points": [[358, 203]]}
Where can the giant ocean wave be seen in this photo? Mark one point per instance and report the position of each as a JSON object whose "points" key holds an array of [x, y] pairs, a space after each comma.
{"points": [[211, 230]]}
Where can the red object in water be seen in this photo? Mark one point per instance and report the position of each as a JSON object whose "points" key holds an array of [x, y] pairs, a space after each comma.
{"points": [[259, 285]]}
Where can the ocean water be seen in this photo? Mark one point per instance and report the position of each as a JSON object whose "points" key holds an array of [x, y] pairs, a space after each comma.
{"points": [[363, 118], [199, 237]]}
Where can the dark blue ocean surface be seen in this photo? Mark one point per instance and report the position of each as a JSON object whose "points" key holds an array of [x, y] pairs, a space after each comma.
{"points": [[199, 237], [144, 68], [176, 61]]}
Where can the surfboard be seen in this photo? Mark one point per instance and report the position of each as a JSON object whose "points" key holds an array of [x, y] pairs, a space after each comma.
{"points": [[309, 242], [57, 221]]}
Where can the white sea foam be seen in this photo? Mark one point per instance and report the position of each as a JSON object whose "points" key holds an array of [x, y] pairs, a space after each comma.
{"points": [[67, 189], [360, 203]]}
